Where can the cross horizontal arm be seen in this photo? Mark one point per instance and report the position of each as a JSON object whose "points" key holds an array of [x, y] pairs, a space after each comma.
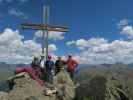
{"points": [[44, 27]]}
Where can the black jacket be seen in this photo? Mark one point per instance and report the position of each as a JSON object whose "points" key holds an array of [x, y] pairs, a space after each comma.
{"points": [[58, 65]]}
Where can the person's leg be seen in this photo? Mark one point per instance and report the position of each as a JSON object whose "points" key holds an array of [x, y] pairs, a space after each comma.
{"points": [[69, 72], [72, 75], [51, 78], [47, 76]]}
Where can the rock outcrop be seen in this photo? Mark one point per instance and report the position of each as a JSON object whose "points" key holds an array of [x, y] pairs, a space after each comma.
{"points": [[65, 85], [26, 88]]}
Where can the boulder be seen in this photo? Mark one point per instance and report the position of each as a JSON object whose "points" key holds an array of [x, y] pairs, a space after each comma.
{"points": [[64, 85]]}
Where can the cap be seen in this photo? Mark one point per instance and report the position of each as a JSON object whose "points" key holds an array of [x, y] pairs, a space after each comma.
{"points": [[49, 57]]}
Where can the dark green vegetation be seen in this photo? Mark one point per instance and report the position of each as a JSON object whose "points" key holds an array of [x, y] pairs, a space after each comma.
{"points": [[105, 82]]}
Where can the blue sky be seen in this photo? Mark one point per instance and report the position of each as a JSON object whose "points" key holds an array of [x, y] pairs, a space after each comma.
{"points": [[88, 20]]}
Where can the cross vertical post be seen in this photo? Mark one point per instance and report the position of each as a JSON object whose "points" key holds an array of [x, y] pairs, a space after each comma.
{"points": [[45, 32], [45, 27]]}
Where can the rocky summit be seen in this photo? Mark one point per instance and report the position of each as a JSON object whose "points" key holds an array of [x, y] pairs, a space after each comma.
{"points": [[25, 88]]}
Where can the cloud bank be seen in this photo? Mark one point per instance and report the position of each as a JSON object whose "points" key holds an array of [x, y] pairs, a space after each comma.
{"points": [[14, 49], [100, 51]]}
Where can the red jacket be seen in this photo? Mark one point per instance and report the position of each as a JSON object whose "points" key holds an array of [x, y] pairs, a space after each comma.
{"points": [[71, 65], [34, 73]]}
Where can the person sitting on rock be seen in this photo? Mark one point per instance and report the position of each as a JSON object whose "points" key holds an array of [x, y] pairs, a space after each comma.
{"points": [[36, 62], [34, 71]]}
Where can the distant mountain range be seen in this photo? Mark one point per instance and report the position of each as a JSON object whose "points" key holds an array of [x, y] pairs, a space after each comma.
{"points": [[7, 70], [91, 78], [100, 82]]}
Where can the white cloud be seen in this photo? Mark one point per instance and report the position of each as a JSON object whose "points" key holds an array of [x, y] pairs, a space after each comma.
{"points": [[70, 42], [83, 44], [52, 35], [8, 36], [105, 52], [123, 22], [52, 47], [17, 13], [13, 49], [127, 30]]}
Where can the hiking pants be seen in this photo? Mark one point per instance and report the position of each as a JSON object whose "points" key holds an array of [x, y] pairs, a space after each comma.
{"points": [[50, 77], [71, 73]]}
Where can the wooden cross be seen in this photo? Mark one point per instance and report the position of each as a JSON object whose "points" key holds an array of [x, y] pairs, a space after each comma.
{"points": [[45, 27]]}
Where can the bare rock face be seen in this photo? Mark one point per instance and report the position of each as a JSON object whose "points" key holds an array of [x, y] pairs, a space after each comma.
{"points": [[65, 85], [3, 96], [27, 89]]}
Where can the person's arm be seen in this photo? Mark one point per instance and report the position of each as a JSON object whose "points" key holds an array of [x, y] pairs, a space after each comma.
{"points": [[64, 62], [56, 63], [53, 68], [75, 63], [45, 64], [32, 64], [53, 65]]}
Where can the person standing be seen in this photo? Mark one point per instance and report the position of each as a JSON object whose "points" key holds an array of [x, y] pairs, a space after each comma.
{"points": [[50, 69], [35, 62], [42, 66], [71, 66], [42, 61], [34, 71], [58, 65]]}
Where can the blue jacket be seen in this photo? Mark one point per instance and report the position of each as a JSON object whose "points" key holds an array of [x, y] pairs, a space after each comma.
{"points": [[49, 65]]}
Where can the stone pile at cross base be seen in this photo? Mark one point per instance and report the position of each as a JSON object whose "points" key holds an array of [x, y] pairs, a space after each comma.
{"points": [[26, 88]]}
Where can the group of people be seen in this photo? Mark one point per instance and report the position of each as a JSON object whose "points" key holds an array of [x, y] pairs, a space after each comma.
{"points": [[53, 77], [42, 69]]}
